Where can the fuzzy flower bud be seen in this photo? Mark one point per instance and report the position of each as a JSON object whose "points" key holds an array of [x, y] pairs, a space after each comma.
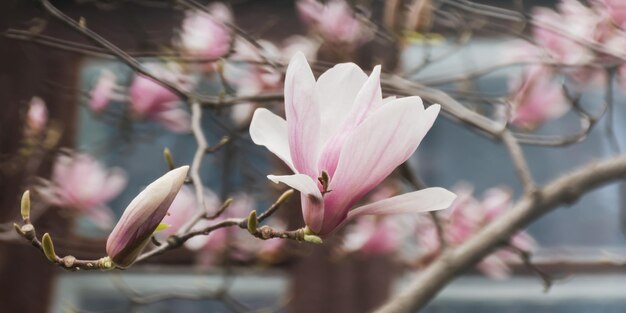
{"points": [[142, 216], [37, 116]]}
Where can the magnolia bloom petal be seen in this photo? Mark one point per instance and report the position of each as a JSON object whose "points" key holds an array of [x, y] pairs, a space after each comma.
{"points": [[312, 200], [429, 199], [303, 113], [374, 150], [270, 130], [335, 91], [142, 216]]}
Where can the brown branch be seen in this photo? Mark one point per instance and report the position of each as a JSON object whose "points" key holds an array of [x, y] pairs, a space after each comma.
{"points": [[519, 162], [68, 262], [526, 257], [182, 236], [562, 191]]}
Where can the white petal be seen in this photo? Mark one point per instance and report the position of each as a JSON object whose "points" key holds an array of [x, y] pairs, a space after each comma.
{"points": [[376, 147], [303, 116], [429, 199], [270, 130], [336, 90], [312, 201]]}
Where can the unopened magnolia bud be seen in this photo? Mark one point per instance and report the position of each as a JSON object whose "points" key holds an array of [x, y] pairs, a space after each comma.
{"points": [[48, 248], [167, 154], [252, 222], [25, 207], [142, 217]]}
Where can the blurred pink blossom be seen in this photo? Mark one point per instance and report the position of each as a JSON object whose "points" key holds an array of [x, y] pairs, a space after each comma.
{"points": [[614, 9], [376, 235], [294, 44], [207, 35], [537, 98], [150, 100], [82, 184], [37, 116], [465, 218], [251, 79], [559, 31], [340, 128], [103, 91], [217, 245], [334, 21]]}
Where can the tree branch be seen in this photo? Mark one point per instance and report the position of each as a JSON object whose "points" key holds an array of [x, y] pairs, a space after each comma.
{"points": [[563, 191]]}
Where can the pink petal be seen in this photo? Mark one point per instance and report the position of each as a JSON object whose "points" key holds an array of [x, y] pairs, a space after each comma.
{"points": [[303, 116], [336, 90], [368, 97], [103, 91], [102, 216], [270, 130], [312, 201], [115, 183], [494, 267], [376, 147], [176, 120], [429, 199]]}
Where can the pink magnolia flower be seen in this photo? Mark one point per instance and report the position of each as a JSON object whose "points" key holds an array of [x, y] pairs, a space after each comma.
{"points": [[103, 91], [81, 183], [341, 140], [142, 216], [538, 98], [148, 99], [206, 35], [37, 116], [466, 217], [335, 21]]}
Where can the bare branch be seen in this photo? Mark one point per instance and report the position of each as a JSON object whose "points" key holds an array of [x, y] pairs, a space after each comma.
{"points": [[562, 191]]}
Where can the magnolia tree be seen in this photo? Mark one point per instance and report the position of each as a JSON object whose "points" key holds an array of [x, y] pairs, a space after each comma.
{"points": [[344, 130]]}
